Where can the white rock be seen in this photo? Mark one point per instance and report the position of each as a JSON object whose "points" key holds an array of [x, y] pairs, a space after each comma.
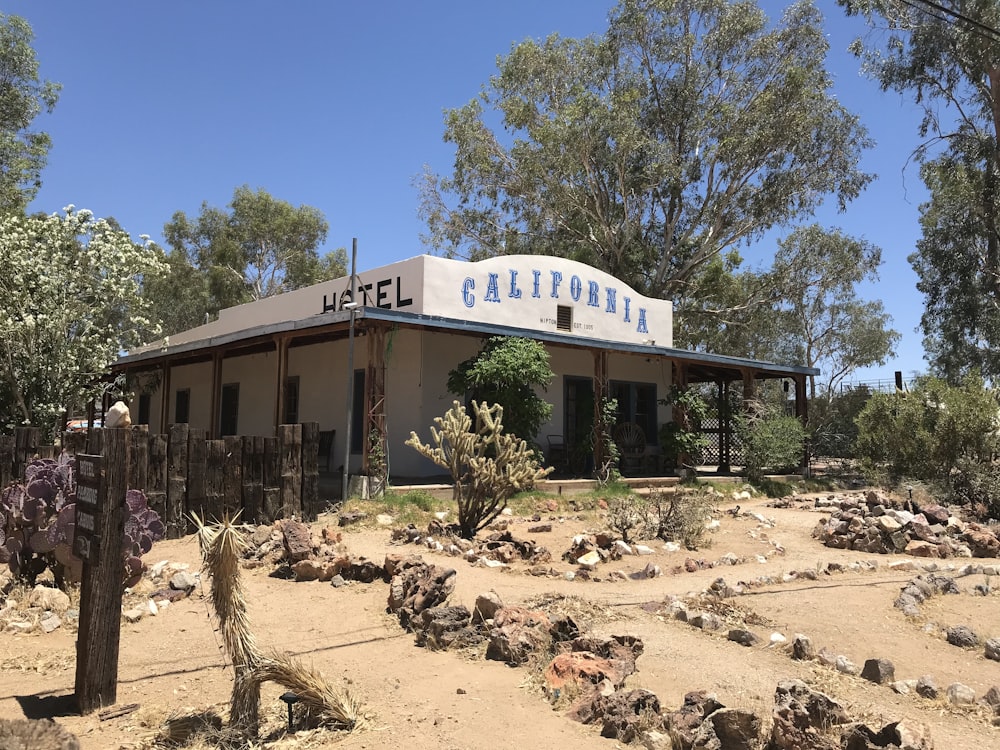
{"points": [[623, 548], [118, 415], [589, 560], [46, 597], [671, 547], [50, 622], [507, 512], [384, 519], [153, 609], [642, 549], [441, 515], [777, 639], [713, 524], [845, 665], [569, 575], [488, 563], [961, 695], [761, 559]]}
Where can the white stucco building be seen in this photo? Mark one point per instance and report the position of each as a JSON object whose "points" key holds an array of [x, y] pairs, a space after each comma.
{"points": [[285, 359]]}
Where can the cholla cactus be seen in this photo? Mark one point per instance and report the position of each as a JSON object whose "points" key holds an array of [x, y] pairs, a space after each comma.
{"points": [[487, 466]]}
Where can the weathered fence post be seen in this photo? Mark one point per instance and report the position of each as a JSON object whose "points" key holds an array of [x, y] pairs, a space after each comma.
{"points": [[101, 499], [6, 460], [290, 438], [310, 470], [272, 480], [177, 466], [156, 477], [197, 466], [232, 480], [253, 479], [215, 458], [138, 470]]}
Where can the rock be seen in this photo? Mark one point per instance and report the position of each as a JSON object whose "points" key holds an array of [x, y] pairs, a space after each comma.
{"points": [[927, 687], [623, 715], [652, 570], [962, 636], [642, 549], [705, 621], [581, 670], [728, 729], [960, 695], [993, 649], [440, 628], [879, 671], [589, 560], [685, 721], [900, 687], [982, 543], [911, 735], [50, 622], [337, 581], [517, 634], [36, 734], [845, 665], [802, 718], [133, 615], [802, 648], [297, 540], [351, 517], [419, 587], [919, 548], [992, 699], [744, 637], [486, 607], [542, 528], [384, 519], [48, 598], [118, 415], [183, 581]]}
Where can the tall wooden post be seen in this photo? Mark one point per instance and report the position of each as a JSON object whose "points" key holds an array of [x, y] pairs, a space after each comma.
{"points": [[602, 390], [103, 570]]}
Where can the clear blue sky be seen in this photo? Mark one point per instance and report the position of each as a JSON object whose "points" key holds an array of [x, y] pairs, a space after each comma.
{"points": [[340, 105]]}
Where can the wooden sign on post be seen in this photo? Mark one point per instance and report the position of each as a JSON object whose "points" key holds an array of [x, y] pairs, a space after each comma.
{"points": [[89, 501], [102, 483]]}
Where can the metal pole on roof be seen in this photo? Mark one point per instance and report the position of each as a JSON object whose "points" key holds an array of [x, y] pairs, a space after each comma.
{"points": [[352, 306]]}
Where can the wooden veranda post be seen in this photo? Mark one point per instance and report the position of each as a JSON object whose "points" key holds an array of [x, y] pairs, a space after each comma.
{"points": [[601, 392], [102, 484]]}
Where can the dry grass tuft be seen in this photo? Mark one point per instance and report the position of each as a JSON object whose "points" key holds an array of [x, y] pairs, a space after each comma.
{"points": [[585, 613], [322, 702]]}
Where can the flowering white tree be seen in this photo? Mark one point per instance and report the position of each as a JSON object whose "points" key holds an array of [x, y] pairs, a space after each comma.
{"points": [[70, 301]]}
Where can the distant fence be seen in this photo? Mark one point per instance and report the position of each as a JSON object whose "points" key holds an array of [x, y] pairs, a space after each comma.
{"points": [[263, 478]]}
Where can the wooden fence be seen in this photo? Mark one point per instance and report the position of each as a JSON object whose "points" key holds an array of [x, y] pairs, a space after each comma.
{"points": [[181, 472]]}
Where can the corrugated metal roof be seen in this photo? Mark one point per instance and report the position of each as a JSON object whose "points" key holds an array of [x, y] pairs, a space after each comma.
{"points": [[155, 353]]}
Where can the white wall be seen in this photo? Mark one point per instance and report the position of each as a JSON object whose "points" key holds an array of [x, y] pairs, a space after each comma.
{"points": [[198, 378]]}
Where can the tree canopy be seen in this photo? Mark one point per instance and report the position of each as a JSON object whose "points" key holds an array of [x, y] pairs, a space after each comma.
{"points": [[71, 291], [23, 96], [257, 247], [835, 329], [952, 69], [689, 128]]}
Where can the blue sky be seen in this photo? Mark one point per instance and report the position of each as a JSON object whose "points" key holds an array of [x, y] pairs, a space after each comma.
{"points": [[340, 105]]}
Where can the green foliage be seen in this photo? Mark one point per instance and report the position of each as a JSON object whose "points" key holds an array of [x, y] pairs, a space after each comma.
{"points": [[771, 439], [681, 438], [678, 516], [607, 473], [833, 429], [506, 371], [71, 288], [976, 485], [951, 71], [618, 150], [838, 333], [487, 465], [924, 433], [23, 151], [257, 247]]}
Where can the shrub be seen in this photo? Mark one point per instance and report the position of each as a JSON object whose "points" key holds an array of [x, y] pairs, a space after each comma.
{"points": [[925, 433], [771, 439], [976, 485], [681, 516], [681, 439], [38, 523]]}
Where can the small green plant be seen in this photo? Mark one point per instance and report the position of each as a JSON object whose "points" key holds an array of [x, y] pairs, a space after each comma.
{"points": [[681, 516], [607, 472], [771, 439], [681, 439]]}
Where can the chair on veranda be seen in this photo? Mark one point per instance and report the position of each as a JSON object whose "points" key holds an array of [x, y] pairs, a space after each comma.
{"points": [[631, 442], [557, 451]]}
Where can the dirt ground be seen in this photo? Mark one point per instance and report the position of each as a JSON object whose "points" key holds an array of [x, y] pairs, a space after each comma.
{"points": [[174, 663]]}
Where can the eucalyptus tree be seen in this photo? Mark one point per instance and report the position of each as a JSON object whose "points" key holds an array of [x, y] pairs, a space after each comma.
{"points": [[71, 289], [687, 129], [257, 247], [23, 97], [836, 330], [950, 63]]}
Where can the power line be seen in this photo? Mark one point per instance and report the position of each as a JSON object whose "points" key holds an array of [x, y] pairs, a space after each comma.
{"points": [[991, 33]]}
